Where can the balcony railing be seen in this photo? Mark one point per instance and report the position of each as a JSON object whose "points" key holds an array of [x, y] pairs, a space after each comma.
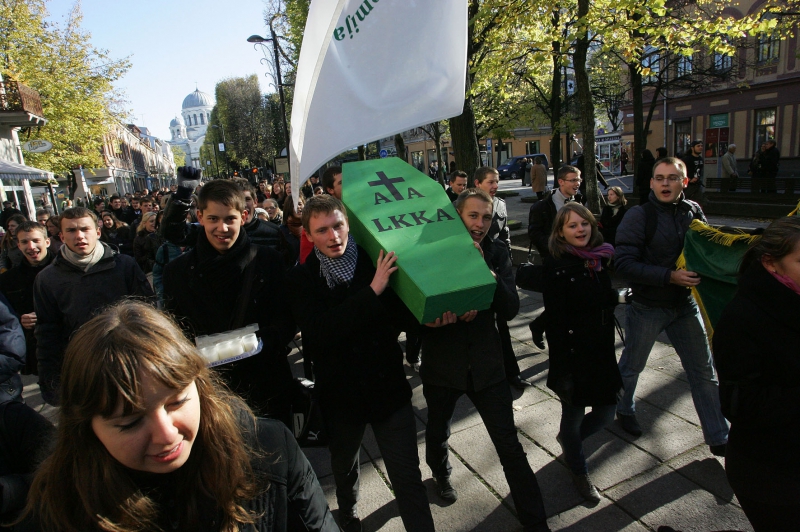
{"points": [[17, 97]]}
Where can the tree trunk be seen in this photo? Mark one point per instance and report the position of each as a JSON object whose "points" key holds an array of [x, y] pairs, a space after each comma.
{"points": [[639, 133], [555, 102], [400, 146], [362, 153], [586, 110], [465, 141]]}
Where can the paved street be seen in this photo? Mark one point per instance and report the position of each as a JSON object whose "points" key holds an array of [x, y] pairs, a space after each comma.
{"points": [[665, 477]]}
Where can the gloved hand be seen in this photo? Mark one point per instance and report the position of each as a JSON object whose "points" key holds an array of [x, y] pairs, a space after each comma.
{"points": [[188, 179]]}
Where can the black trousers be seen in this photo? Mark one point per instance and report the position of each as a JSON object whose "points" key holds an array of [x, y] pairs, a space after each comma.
{"points": [[509, 357]]}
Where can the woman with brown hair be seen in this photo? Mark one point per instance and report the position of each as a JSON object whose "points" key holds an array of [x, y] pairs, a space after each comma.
{"points": [[756, 353], [149, 440], [10, 255], [579, 308]]}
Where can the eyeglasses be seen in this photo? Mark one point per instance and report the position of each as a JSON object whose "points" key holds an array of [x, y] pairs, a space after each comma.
{"points": [[576, 180], [672, 177]]}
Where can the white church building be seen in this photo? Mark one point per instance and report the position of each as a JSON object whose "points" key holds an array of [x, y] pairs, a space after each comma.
{"points": [[189, 129]]}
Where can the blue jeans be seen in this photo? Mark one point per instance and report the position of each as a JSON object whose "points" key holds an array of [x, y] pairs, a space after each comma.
{"points": [[397, 440], [576, 426], [684, 327], [494, 406]]}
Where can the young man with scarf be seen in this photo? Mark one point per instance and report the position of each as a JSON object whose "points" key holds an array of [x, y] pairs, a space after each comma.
{"points": [[86, 276], [350, 320], [462, 355], [225, 282]]}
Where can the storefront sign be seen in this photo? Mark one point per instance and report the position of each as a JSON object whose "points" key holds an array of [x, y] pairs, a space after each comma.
{"points": [[720, 120], [37, 146], [393, 207]]}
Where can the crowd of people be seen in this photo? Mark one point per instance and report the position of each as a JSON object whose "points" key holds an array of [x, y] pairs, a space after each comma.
{"points": [[104, 306]]}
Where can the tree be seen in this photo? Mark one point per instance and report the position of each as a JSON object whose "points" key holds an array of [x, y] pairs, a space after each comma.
{"points": [[74, 79], [435, 131], [179, 156]]}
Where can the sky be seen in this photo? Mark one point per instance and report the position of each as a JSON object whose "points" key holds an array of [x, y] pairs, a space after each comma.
{"points": [[174, 46]]}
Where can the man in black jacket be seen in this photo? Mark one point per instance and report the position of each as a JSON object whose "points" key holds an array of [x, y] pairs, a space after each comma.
{"points": [[350, 321], [540, 225], [662, 300], [458, 182], [259, 232], [86, 276], [462, 355], [224, 283], [17, 283]]}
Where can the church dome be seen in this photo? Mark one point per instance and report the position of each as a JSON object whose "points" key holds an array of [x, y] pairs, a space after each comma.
{"points": [[198, 99], [177, 121]]}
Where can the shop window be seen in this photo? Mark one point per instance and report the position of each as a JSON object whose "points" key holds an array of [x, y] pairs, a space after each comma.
{"points": [[417, 160], [683, 137], [532, 146]]}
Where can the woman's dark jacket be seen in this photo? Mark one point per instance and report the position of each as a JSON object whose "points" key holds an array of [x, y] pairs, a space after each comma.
{"points": [[467, 356], [202, 288], [12, 353], [609, 222], [351, 335], [756, 353], [120, 237], [145, 246], [17, 285], [579, 323]]}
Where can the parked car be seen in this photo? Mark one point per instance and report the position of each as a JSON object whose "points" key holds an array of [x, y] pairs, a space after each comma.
{"points": [[512, 168]]}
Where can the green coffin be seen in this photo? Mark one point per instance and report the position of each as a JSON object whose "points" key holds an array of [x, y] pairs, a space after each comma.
{"points": [[392, 206]]}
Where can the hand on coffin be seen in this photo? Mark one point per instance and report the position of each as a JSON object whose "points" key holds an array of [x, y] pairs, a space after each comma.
{"points": [[447, 318], [383, 270]]}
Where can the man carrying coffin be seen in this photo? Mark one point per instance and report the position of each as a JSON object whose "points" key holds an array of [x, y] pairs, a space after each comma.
{"points": [[350, 320], [462, 355]]}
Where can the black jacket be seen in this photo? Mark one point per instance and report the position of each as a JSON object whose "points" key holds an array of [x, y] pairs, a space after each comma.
{"points": [[454, 353], [263, 233], [17, 285], [610, 221], [121, 237], [540, 224], [579, 322], [351, 335], [756, 353], [65, 297], [201, 288], [648, 266], [145, 246], [12, 353]]}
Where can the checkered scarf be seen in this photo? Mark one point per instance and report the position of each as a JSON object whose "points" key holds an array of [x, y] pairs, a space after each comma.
{"points": [[340, 270]]}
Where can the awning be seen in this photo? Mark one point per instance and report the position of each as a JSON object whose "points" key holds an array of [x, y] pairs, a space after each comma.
{"points": [[10, 170]]}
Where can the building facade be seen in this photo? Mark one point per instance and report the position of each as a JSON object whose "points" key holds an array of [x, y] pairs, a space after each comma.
{"points": [[189, 129]]}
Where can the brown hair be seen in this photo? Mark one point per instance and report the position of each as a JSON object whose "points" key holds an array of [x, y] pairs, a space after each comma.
{"points": [[81, 486], [483, 172], [221, 191], [457, 174], [27, 227], [74, 213], [557, 244], [328, 176], [781, 238], [324, 204], [567, 169], [618, 191], [670, 160], [472, 193]]}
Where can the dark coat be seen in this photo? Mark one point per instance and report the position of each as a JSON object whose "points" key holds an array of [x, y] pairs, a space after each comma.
{"points": [[769, 162], [540, 224], [201, 288], [12, 353], [263, 233], [579, 322], [65, 297], [452, 353], [25, 436], [351, 335], [756, 353], [145, 246], [121, 237], [648, 266], [17, 285], [610, 221]]}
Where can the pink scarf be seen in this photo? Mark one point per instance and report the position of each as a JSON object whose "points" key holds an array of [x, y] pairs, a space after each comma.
{"points": [[786, 281], [593, 256]]}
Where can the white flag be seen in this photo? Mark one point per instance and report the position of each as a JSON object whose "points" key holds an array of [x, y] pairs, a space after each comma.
{"points": [[369, 69]]}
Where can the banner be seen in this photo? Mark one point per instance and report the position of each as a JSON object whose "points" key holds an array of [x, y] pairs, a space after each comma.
{"points": [[369, 69]]}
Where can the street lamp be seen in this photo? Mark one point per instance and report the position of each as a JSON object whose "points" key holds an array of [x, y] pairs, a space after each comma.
{"points": [[224, 144], [259, 40]]}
